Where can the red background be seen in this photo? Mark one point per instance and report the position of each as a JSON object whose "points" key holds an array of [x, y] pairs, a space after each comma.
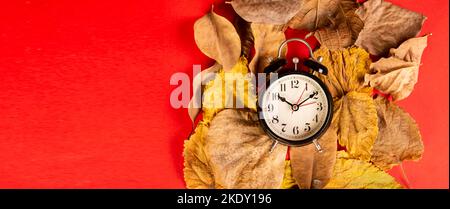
{"points": [[84, 93]]}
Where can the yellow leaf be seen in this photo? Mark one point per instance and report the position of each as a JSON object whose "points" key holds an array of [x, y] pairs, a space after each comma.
{"points": [[353, 106], [202, 77], [228, 90], [346, 69], [356, 174], [288, 180], [357, 123], [197, 172]]}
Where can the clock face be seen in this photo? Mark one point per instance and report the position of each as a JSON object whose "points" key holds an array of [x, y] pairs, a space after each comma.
{"points": [[296, 108]]}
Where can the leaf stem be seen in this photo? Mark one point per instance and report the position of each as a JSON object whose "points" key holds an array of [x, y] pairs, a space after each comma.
{"points": [[405, 178]]}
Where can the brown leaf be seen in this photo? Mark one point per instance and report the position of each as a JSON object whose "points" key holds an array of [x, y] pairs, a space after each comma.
{"points": [[344, 29], [357, 118], [238, 152], [395, 77], [197, 171], [196, 101], [346, 69], [386, 26], [267, 40], [313, 169], [314, 14], [266, 11], [398, 138], [217, 38], [411, 50], [397, 74], [245, 34]]}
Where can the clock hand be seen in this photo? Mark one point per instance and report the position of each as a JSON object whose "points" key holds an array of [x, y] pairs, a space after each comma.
{"points": [[301, 95], [307, 104], [284, 100], [310, 96]]}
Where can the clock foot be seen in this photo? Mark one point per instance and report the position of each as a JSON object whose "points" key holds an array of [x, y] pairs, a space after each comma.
{"points": [[273, 146], [317, 145]]}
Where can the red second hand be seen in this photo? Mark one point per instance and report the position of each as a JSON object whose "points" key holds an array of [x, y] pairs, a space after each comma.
{"points": [[306, 104], [299, 98]]}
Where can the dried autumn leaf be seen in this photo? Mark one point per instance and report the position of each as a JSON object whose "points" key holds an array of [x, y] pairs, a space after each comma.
{"points": [[386, 26], [288, 180], [238, 152], [267, 40], [244, 30], [201, 78], [411, 50], [353, 107], [398, 138], [313, 169], [314, 14], [197, 172], [358, 124], [346, 69], [217, 38], [356, 174], [229, 89], [397, 74], [399, 82], [344, 29], [266, 11]]}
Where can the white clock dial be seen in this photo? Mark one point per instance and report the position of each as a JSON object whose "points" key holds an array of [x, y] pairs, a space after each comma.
{"points": [[295, 107]]}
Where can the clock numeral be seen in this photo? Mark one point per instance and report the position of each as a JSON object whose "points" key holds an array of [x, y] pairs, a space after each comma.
{"points": [[295, 130], [275, 119], [315, 95], [319, 106], [308, 127], [275, 96], [294, 84], [270, 107], [316, 118], [282, 87], [306, 86], [284, 127]]}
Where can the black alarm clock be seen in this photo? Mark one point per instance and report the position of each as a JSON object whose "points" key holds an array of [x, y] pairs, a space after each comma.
{"points": [[296, 108]]}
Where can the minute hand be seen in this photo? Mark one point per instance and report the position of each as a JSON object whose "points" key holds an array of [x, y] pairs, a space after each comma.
{"points": [[310, 96]]}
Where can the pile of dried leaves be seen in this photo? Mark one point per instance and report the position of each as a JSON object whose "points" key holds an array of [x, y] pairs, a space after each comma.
{"points": [[228, 148]]}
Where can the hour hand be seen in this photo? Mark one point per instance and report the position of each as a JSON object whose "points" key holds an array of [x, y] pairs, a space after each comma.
{"points": [[284, 100]]}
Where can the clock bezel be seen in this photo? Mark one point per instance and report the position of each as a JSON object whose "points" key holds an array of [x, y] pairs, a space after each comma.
{"points": [[322, 129]]}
